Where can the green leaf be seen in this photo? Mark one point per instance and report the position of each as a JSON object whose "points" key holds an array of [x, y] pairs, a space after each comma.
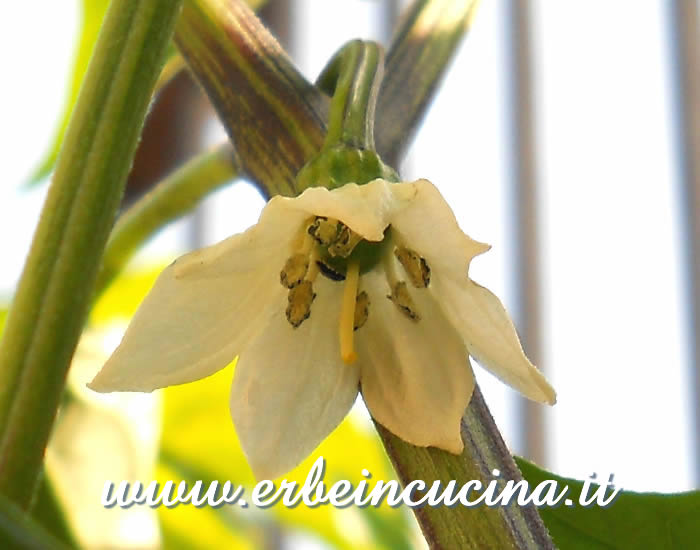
{"points": [[633, 520], [48, 512], [19, 531], [93, 12]]}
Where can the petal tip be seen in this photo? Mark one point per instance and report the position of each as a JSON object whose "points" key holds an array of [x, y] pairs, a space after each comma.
{"points": [[99, 384], [454, 446]]}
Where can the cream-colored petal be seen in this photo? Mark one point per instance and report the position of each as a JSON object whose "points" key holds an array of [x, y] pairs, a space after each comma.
{"points": [[200, 313], [290, 387], [428, 226], [415, 376], [366, 209], [490, 335]]}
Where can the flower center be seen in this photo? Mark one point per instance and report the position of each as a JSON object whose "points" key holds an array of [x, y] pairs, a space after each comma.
{"points": [[329, 247]]}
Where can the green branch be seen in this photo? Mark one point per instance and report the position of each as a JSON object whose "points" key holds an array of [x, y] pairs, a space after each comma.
{"points": [[475, 528], [54, 293], [418, 57], [352, 77], [274, 117]]}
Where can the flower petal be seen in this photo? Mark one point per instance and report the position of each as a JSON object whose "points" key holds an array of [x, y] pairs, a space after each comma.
{"points": [[490, 335], [200, 313], [429, 227], [366, 209], [291, 388], [415, 375]]}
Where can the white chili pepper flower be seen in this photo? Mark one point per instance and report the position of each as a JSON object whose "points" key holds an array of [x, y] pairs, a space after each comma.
{"points": [[359, 288]]}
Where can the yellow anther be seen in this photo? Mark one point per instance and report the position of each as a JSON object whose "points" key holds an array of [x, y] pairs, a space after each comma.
{"points": [[414, 265], [361, 310], [347, 313], [345, 243], [400, 296], [294, 270], [299, 307], [324, 230]]}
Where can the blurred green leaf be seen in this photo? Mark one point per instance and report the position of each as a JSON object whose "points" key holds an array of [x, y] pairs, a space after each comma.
{"points": [[190, 528], [632, 521], [92, 12], [19, 531], [47, 512]]}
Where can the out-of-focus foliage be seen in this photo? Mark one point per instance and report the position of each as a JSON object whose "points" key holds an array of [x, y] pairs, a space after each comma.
{"points": [[19, 530], [634, 520], [105, 437], [92, 14]]}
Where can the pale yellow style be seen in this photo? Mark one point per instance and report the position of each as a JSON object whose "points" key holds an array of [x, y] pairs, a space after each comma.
{"points": [[362, 288]]}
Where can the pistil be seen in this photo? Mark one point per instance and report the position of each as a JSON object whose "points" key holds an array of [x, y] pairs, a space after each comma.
{"points": [[347, 313]]}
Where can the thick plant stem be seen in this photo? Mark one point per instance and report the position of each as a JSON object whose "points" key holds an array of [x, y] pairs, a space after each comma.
{"points": [[420, 52], [18, 531], [54, 293], [274, 117], [172, 198], [477, 527]]}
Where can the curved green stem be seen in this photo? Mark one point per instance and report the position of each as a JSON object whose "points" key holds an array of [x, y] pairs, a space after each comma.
{"points": [[274, 117], [169, 200], [352, 77], [54, 293]]}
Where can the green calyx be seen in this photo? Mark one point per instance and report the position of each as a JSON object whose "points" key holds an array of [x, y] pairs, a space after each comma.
{"points": [[335, 167], [352, 78]]}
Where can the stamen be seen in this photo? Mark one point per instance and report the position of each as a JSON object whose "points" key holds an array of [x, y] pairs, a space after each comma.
{"points": [[299, 307], [345, 243], [314, 268], [347, 313], [389, 271], [400, 296], [414, 265], [399, 292], [294, 270], [324, 230], [361, 310]]}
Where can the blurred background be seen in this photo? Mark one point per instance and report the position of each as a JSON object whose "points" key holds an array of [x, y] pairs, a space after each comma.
{"points": [[566, 134]]}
